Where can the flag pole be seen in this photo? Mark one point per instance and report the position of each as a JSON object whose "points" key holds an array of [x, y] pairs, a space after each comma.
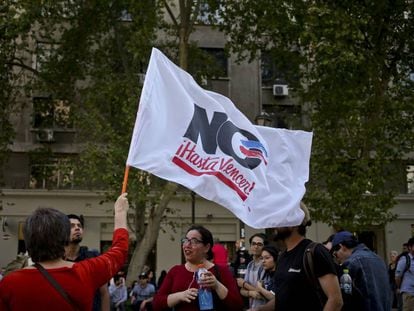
{"points": [[125, 182]]}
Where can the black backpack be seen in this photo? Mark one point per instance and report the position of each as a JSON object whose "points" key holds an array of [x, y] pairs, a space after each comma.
{"points": [[309, 269], [354, 301]]}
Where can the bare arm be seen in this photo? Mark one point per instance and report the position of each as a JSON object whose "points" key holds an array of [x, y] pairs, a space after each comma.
{"points": [[330, 286], [209, 280], [221, 290], [184, 296], [144, 303], [269, 306], [249, 290], [265, 293], [105, 299], [398, 280]]}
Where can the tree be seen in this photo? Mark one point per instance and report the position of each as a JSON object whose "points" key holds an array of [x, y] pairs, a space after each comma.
{"points": [[92, 56], [353, 61], [9, 31]]}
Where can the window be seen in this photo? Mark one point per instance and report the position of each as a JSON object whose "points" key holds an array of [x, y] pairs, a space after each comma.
{"points": [[51, 174], [270, 73], [220, 59], [51, 114], [410, 179], [277, 70]]}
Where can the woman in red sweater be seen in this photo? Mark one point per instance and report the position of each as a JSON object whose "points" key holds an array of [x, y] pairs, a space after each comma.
{"points": [[179, 288], [46, 232]]}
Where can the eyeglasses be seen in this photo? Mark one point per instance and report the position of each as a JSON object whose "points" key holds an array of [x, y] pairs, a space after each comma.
{"points": [[260, 244], [192, 241]]}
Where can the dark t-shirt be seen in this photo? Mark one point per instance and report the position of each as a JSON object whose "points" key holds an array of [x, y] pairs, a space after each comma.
{"points": [[292, 288]]}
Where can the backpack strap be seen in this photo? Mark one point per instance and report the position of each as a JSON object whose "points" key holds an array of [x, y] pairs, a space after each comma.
{"points": [[407, 264], [309, 269]]}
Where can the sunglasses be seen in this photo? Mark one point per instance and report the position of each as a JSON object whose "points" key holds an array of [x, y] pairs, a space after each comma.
{"points": [[260, 244]]}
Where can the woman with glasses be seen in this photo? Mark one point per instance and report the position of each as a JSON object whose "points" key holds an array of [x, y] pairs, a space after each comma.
{"points": [[179, 289], [269, 259]]}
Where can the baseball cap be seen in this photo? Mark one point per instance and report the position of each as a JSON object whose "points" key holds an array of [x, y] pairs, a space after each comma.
{"points": [[341, 237], [143, 275]]}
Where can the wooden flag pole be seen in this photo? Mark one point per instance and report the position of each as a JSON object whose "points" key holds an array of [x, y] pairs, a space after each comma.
{"points": [[125, 182]]}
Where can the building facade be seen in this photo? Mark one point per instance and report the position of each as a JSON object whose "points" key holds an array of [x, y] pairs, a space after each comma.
{"points": [[254, 89]]}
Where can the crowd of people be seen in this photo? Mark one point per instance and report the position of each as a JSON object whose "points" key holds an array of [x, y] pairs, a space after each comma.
{"points": [[284, 271]]}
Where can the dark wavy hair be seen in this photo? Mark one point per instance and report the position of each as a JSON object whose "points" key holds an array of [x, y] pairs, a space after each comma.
{"points": [[46, 233], [273, 251], [206, 236], [79, 218]]}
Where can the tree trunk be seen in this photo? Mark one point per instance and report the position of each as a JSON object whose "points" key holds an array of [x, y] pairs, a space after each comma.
{"points": [[147, 243]]}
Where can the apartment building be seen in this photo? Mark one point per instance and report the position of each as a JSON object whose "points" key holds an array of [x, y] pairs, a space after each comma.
{"points": [[256, 90]]}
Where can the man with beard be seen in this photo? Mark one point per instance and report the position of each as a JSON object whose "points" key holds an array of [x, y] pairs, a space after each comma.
{"points": [[293, 290], [74, 252]]}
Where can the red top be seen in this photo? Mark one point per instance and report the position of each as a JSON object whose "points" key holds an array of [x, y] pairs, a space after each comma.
{"points": [[27, 289], [180, 279], [220, 254]]}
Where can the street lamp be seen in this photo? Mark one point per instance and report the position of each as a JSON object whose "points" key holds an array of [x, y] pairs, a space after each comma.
{"points": [[264, 119]]}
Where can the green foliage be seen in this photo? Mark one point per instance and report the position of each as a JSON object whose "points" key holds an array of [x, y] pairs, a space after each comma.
{"points": [[7, 35], [352, 59], [89, 54]]}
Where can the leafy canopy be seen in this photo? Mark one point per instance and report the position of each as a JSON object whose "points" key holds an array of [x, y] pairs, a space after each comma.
{"points": [[353, 61]]}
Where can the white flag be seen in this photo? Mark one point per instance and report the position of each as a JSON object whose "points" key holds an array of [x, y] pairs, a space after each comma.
{"points": [[200, 140]]}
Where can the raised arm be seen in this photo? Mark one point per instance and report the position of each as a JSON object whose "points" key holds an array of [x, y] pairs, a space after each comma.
{"points": [[108, 264]]}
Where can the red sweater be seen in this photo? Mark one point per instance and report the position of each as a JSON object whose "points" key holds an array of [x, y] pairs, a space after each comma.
{"points": [[180, 279], [27, 289], [220, 254]]}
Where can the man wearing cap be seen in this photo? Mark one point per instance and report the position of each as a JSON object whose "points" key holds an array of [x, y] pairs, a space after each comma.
{"points": [[293, 290], [142, 293], [367, 270]]}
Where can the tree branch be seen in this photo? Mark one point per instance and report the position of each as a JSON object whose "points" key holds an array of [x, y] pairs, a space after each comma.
{"points": [[170, 13], [23, 66]]}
